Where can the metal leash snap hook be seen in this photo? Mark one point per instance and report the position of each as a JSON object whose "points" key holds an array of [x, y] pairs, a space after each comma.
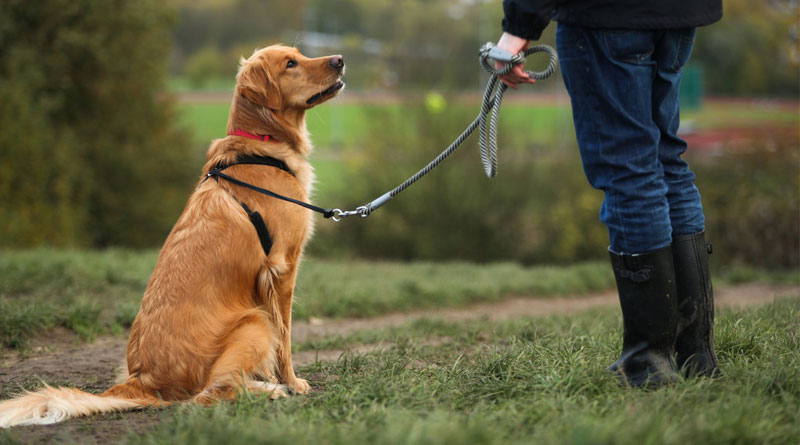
{"points": [[364, 211], [339, 214]]}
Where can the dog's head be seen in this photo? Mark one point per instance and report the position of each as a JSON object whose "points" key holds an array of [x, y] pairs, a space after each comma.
{"points": [[280, 78]]}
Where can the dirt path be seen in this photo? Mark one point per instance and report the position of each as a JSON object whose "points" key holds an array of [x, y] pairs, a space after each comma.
{"points": [[59, 360], [738, 296]]}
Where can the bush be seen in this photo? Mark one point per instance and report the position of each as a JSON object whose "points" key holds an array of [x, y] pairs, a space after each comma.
{"points": [[90, 155], [757, 41], [205, 65], [751, 201], [540, 208]]}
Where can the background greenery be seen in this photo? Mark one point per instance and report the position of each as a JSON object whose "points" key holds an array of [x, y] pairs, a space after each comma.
{"points": [[91, 155], [752, 51], [97, 153]]}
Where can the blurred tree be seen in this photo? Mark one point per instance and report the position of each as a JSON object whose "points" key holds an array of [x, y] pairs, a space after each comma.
{"points": [[751, 52], [433, 43], [205, 65], [751, 201], [418, 42], [225, 24], [90, 156]]}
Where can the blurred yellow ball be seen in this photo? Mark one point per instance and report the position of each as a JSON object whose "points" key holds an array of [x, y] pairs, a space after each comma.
{"points": [[435, 103]]}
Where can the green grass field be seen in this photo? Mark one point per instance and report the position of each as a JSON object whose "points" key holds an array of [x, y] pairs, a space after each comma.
{"points": [[523, 380], [96, 292], [331, 125], [335, 125], [538, 380]]}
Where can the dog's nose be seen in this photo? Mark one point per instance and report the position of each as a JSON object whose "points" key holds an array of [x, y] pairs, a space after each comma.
{"points": [[336, 62]]}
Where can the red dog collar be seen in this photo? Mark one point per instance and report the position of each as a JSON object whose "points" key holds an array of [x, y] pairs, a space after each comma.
{"points": [[258, 137]]}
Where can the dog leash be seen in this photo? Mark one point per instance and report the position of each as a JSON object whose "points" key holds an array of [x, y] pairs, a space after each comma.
{"points": [[486, 120], [488, 124]]}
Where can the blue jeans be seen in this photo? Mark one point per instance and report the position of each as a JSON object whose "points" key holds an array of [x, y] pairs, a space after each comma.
{"points": [[624, 86]]}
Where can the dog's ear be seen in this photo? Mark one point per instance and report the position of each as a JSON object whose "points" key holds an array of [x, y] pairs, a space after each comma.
{"points": [[257, 85]]}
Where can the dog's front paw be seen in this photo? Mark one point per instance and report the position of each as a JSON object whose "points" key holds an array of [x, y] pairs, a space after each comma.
{"points": [[277, 393], [300, 386]]}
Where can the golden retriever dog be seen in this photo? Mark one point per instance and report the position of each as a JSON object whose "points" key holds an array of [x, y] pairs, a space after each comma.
{"points": [[216, 316]]}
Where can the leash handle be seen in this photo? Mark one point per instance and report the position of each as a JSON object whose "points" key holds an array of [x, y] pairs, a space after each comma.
{"points": [[490, 52], [551, 64]]}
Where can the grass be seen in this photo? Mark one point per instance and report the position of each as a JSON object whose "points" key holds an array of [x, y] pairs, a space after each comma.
{"points": [[365, 289], [93, 292], [337, 125], [525, 380], [538, 380], [331, 126], [742, 114], [88, 292]]}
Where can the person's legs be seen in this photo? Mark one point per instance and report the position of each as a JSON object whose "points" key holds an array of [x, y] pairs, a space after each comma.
{"points": [[695, 341], [609, 76], [672, 51]]}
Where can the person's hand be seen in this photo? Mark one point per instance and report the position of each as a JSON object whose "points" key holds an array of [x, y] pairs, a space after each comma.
{"points": [[514, 45]]}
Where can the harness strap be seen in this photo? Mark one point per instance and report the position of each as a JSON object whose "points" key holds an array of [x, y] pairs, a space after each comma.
{"points": [[327, 213], [261, 228], [257, 160], [255, 218]]}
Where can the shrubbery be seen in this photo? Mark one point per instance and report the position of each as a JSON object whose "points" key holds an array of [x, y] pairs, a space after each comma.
{"points": [[540, 208], [90, 154], [752, 202]]}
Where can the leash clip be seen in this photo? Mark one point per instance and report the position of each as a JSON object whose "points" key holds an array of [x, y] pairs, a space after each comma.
{"points": [[339, 214]]}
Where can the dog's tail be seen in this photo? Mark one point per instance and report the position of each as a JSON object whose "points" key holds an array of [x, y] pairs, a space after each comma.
{"points": [[52, 405]]}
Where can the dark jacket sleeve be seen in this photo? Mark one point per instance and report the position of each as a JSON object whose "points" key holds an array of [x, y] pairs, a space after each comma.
{"points": [[527, 18]]}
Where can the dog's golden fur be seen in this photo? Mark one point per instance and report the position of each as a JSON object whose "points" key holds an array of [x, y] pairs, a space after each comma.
{"points": [[216, 314]]}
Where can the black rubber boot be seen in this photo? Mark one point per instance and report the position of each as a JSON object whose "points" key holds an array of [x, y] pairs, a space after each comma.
{"points": [[695, 343], [648, 297]]}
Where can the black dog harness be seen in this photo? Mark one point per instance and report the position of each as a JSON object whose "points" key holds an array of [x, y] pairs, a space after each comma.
{"points": [[255, 217]]}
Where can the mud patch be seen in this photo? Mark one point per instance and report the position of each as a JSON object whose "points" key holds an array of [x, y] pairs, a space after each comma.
{"points": [[108, 428], [738, 296], [91, 367]]}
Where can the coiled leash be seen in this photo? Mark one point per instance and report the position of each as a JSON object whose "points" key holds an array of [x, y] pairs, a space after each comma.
{"points": [[492, 99]]}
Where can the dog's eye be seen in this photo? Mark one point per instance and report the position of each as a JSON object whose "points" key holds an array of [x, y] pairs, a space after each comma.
{"points": [[291, 63]]}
